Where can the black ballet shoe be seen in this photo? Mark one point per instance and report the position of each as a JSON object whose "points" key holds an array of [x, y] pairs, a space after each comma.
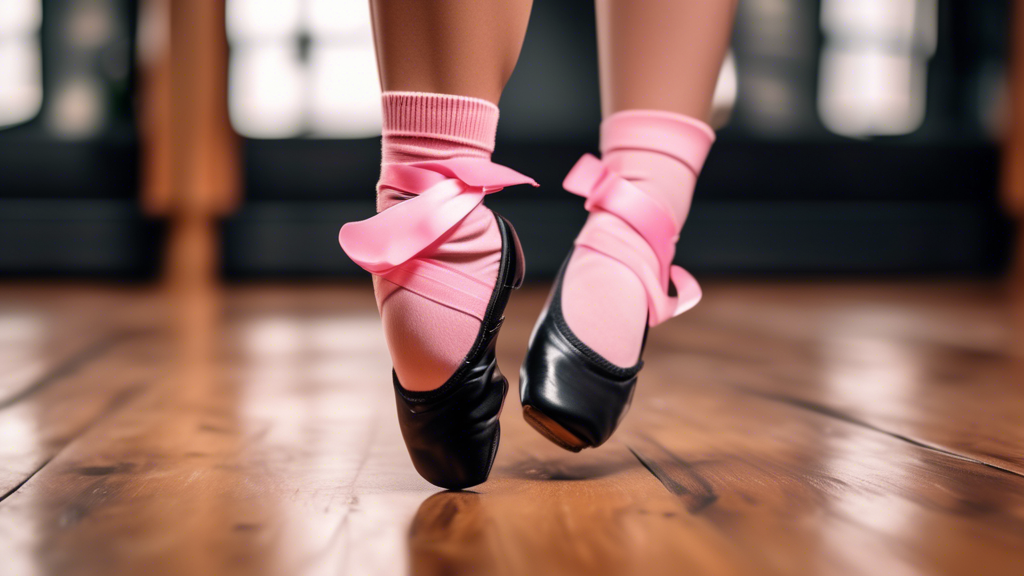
{"points": [[571, 394], [452, 432]]}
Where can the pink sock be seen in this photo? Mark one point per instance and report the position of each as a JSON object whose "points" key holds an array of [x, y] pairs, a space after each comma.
{"points": [[428, 340], [603, 301]]}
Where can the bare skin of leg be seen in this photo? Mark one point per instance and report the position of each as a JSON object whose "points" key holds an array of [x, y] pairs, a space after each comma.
{"points": [[662, 54], [461, 47]]}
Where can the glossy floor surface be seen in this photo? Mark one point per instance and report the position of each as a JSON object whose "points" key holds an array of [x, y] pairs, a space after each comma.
{"points": [[779, 428]]}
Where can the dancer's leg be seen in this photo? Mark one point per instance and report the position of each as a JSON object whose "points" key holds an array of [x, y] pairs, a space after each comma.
{"points": [[443, 65], [658, 55], [659, 65], [464, 47]]}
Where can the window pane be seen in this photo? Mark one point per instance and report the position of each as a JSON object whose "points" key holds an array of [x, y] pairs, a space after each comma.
{"points": [[278, 89], [262, 19], [344, 91], [20, 17], [265, 92], [21, 83], [21, 73], [873, 76]]}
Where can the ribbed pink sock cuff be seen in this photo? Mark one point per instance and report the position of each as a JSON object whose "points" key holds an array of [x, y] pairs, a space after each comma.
{"points": [[456, 119], [686, 139], [427, 339]]}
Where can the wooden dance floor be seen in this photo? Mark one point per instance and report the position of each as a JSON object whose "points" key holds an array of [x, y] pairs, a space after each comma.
{"points": [[780, 428]]}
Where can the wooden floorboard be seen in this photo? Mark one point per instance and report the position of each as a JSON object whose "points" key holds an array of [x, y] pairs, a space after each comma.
{"points": [[886, 356], [45, 416], [783, 428], [754, 468], [44, 331]]}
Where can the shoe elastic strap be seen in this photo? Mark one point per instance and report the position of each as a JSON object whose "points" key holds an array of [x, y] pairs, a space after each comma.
{"points": [[608, 192], [396, 244]]}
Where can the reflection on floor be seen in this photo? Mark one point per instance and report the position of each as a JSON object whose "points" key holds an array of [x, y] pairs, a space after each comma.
{"points": [[779, 428]]}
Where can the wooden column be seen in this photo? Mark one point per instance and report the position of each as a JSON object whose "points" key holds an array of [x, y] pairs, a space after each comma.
{"points": [[1013, 152], [191, 153]]}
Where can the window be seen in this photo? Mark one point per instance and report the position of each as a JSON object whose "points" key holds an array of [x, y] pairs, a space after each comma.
{"points": [[302, 68], [21, 76], [874, 65]]}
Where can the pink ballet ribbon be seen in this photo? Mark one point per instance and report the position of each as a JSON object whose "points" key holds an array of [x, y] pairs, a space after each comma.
{"points": [[686, 139], [609, 192], [395, 243]]}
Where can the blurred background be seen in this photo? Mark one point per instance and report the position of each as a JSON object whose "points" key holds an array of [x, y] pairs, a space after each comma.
{"points": [[856, 423], [868, 137]]}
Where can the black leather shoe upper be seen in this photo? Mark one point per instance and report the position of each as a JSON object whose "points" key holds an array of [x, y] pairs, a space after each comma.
{"points": [[452, 432], [569, 382]]}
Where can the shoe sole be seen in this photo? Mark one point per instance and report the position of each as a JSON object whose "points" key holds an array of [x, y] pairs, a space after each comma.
{"points": [[552, 430]]}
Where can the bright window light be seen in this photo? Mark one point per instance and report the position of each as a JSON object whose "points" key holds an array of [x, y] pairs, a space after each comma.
{"points": [[262, 20], [868, 19], [278, 90], [21, 69], [870, 91], [265, 94], [337, 17], [724, 99], [344, 91], [20, 17], [873, 75], [21, 84]]}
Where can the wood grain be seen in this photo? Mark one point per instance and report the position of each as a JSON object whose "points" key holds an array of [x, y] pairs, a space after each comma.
{"points": [[894, 358], [788, 428]]}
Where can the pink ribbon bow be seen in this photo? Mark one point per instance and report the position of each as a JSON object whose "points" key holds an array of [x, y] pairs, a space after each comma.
{"points": [[394, 244], [609, 192]]}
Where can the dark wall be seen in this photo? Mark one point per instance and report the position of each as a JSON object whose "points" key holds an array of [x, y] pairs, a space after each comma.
{"points": [[780, 193], [68, 195]]}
